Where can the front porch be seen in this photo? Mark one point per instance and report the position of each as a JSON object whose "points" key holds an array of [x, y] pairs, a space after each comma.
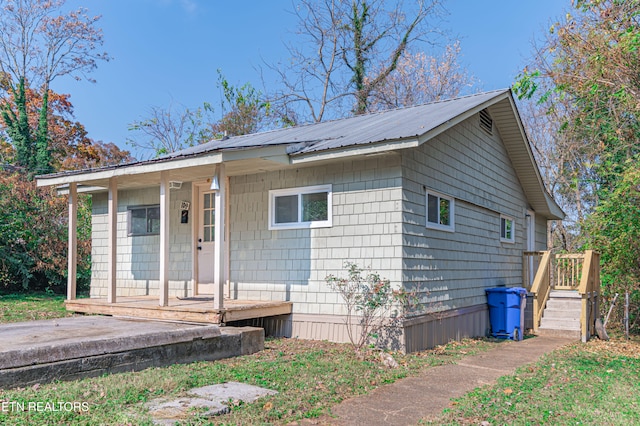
{"points": [[199, 309]]}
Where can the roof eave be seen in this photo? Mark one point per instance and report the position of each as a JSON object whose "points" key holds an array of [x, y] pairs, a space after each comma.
{"points": [[351, 151]]}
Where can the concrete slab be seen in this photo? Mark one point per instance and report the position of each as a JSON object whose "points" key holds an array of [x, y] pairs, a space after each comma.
{"points": [[37, 342], [71, 348], [206, 401]]}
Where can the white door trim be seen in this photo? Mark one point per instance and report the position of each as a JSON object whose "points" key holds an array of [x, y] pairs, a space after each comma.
{"points": [[197, 189]]}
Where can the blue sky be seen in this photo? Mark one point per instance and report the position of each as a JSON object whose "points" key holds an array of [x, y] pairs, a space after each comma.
{"points": [[168, 51]]}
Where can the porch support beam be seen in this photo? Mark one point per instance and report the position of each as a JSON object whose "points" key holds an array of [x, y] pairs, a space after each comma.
{"points": [[72, 253], [165, 199], [219, 255], [112, 239]]}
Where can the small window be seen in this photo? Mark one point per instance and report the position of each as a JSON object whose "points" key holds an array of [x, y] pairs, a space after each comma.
{"points": [[144, 220], [307, 207], [507, 232], [440, 211]]}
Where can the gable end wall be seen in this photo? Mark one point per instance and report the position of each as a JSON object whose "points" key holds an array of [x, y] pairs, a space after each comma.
{"points": [[451, 270]]}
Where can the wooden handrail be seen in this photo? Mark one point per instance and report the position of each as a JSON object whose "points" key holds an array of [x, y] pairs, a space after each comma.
{"points": [[589, 289], [540, 289], [585, 279]]}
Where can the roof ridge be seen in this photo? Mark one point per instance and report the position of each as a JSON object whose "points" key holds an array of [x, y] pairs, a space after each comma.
{"points": [[368, 114]]}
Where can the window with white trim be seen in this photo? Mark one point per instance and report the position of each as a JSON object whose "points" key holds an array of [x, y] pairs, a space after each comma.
{"points": [[144, 220], [305, 207], [507, 231], [440, 211]]}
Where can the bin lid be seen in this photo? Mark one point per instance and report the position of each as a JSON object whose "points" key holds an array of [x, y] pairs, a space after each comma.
{"points": [[514, 290]]}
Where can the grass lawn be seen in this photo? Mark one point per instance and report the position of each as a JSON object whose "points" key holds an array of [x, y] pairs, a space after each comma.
{"points": [[31, 306], [310, 377], [597, 383], [594, 383]]}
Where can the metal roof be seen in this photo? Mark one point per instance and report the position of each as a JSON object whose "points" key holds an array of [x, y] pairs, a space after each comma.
{"points": [[366, 129], [383, 131]]}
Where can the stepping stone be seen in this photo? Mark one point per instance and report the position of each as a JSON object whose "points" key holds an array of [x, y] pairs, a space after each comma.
{"points": [[206, 401]]}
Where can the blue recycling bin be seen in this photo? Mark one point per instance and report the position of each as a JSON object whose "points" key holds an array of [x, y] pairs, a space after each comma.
{"points": [[506, 311]]}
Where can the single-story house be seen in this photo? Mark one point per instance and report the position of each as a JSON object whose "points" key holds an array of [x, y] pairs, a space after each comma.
{"points": [[441, 199]]}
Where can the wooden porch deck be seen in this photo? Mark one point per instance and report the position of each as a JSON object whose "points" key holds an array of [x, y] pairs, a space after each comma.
{"points": [[192, 309]]}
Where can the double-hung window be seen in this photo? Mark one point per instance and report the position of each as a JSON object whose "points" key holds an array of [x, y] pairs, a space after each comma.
{"points": [[507, 231], [440, 211], [305, 207], [144, 220]]}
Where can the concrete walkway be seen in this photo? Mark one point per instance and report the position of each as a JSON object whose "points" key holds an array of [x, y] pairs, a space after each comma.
{"points": [[407, 401]]}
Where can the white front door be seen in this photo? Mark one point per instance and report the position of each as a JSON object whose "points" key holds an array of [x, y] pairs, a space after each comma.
{"points": [[206, 241]]}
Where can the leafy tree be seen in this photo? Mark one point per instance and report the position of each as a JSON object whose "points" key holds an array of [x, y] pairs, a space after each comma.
{"points": [[175, 128], [33, 237], [69, 147], [244, 110], [587, 74], [586, 78], [33, 221], [344, 52], [39, 42], [171, 129], [615, 230]]}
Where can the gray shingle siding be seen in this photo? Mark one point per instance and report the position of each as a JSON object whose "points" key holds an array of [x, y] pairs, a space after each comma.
{"points": [[139, 256], [292, 264], [452, 269]]}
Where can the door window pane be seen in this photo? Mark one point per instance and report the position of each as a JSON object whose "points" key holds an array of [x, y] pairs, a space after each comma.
{"points": [[208, 217]]}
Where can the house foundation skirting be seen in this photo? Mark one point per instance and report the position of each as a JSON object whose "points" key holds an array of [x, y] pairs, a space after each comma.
{"points": [[430, 330], [416, 334]]}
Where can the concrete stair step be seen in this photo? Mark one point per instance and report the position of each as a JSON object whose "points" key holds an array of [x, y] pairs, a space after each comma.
{"points": [[564, 304], [562, 313], [553, 332], [565, 294], [561, 317], [560, 323]]}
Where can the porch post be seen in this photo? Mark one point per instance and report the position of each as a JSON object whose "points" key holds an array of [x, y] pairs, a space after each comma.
{"points": [[164, 238], [219, 263], [112, 241], [72, 253]]}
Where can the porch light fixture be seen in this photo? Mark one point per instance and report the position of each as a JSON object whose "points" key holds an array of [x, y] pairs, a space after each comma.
{"points": [[175, 184], [215, 184]]}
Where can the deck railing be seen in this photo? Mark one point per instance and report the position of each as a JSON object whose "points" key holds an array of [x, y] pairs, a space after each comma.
{"points": [[569, 271], [579, 272]]}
